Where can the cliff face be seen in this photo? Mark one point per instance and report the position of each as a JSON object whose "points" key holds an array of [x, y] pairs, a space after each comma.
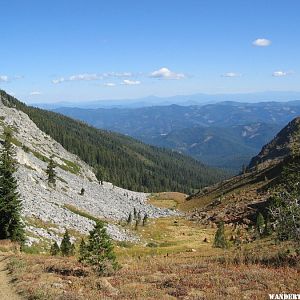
{"points": [[285, 143], [56, 206]]}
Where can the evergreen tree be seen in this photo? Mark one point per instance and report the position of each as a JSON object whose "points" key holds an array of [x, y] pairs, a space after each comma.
{"points": [[129, 219], [285, 212], [54, 250], [82, 250], [260, 223], [134, 213], [82, 192], [220, 239], [136, 226], [11, 225], [285, 203], [145, 219], [66, 247], [51, 172], [100, 174], [99, 250], [139, 218], [267, 230]]}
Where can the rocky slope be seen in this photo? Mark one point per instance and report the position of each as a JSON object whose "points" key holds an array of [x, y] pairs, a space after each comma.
{"points": [[61, 206], [284, 144], [237, 200]]}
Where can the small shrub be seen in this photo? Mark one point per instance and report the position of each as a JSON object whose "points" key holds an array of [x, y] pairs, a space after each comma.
{"points": [[260, 224], [220, 239], [66, 247], [129, 219], [54, 250], [152, 245], [30, 250], [82, 192]]}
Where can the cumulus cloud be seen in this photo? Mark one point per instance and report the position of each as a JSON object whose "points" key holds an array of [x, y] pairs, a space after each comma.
{"points": [[109, 84], [130, 82], [281, 73], [4, 78], [231, 74], [35, 93], [262, 42], [165, 73]]}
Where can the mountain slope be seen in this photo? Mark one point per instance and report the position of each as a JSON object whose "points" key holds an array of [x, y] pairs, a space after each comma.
{"points": [[229, 147], [119, 159], [238, 199], [286, 142], [241, 129], [48, 210]]}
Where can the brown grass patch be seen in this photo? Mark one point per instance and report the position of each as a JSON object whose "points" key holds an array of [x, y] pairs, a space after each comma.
{"points": [[182, 266], [167, 199]]}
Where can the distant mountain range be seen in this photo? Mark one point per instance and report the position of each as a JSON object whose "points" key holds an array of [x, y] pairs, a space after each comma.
{"points": [[184, 100], [225, 134], [119, 159]]}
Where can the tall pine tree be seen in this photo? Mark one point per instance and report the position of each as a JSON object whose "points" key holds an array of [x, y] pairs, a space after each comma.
{"points": [[11, 225]]}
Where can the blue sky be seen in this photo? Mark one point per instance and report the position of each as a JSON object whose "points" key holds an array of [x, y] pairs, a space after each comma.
{"points": [[75, 50]]}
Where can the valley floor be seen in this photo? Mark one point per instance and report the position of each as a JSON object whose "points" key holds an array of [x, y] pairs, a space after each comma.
{"points": [[175, 261]]}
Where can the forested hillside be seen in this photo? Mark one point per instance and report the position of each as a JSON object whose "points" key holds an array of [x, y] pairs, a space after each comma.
{"points": [[121, 160], [224, 135]]}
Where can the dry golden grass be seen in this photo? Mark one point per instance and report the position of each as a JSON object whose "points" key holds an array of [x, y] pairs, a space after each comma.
{"points": [[9, 246], [167, 199], [181, 266], [169, 235]]}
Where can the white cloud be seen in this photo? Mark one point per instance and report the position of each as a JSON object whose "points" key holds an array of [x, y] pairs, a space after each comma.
{"points": [[130, 82], [18, 77], [231, 74], [78, 77], [4, 78], [109, 84], [35, 93], [59, 80], [281, 73], [85, 76], [165, 73], [117, 74], [91, 76], [262, 42]]}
